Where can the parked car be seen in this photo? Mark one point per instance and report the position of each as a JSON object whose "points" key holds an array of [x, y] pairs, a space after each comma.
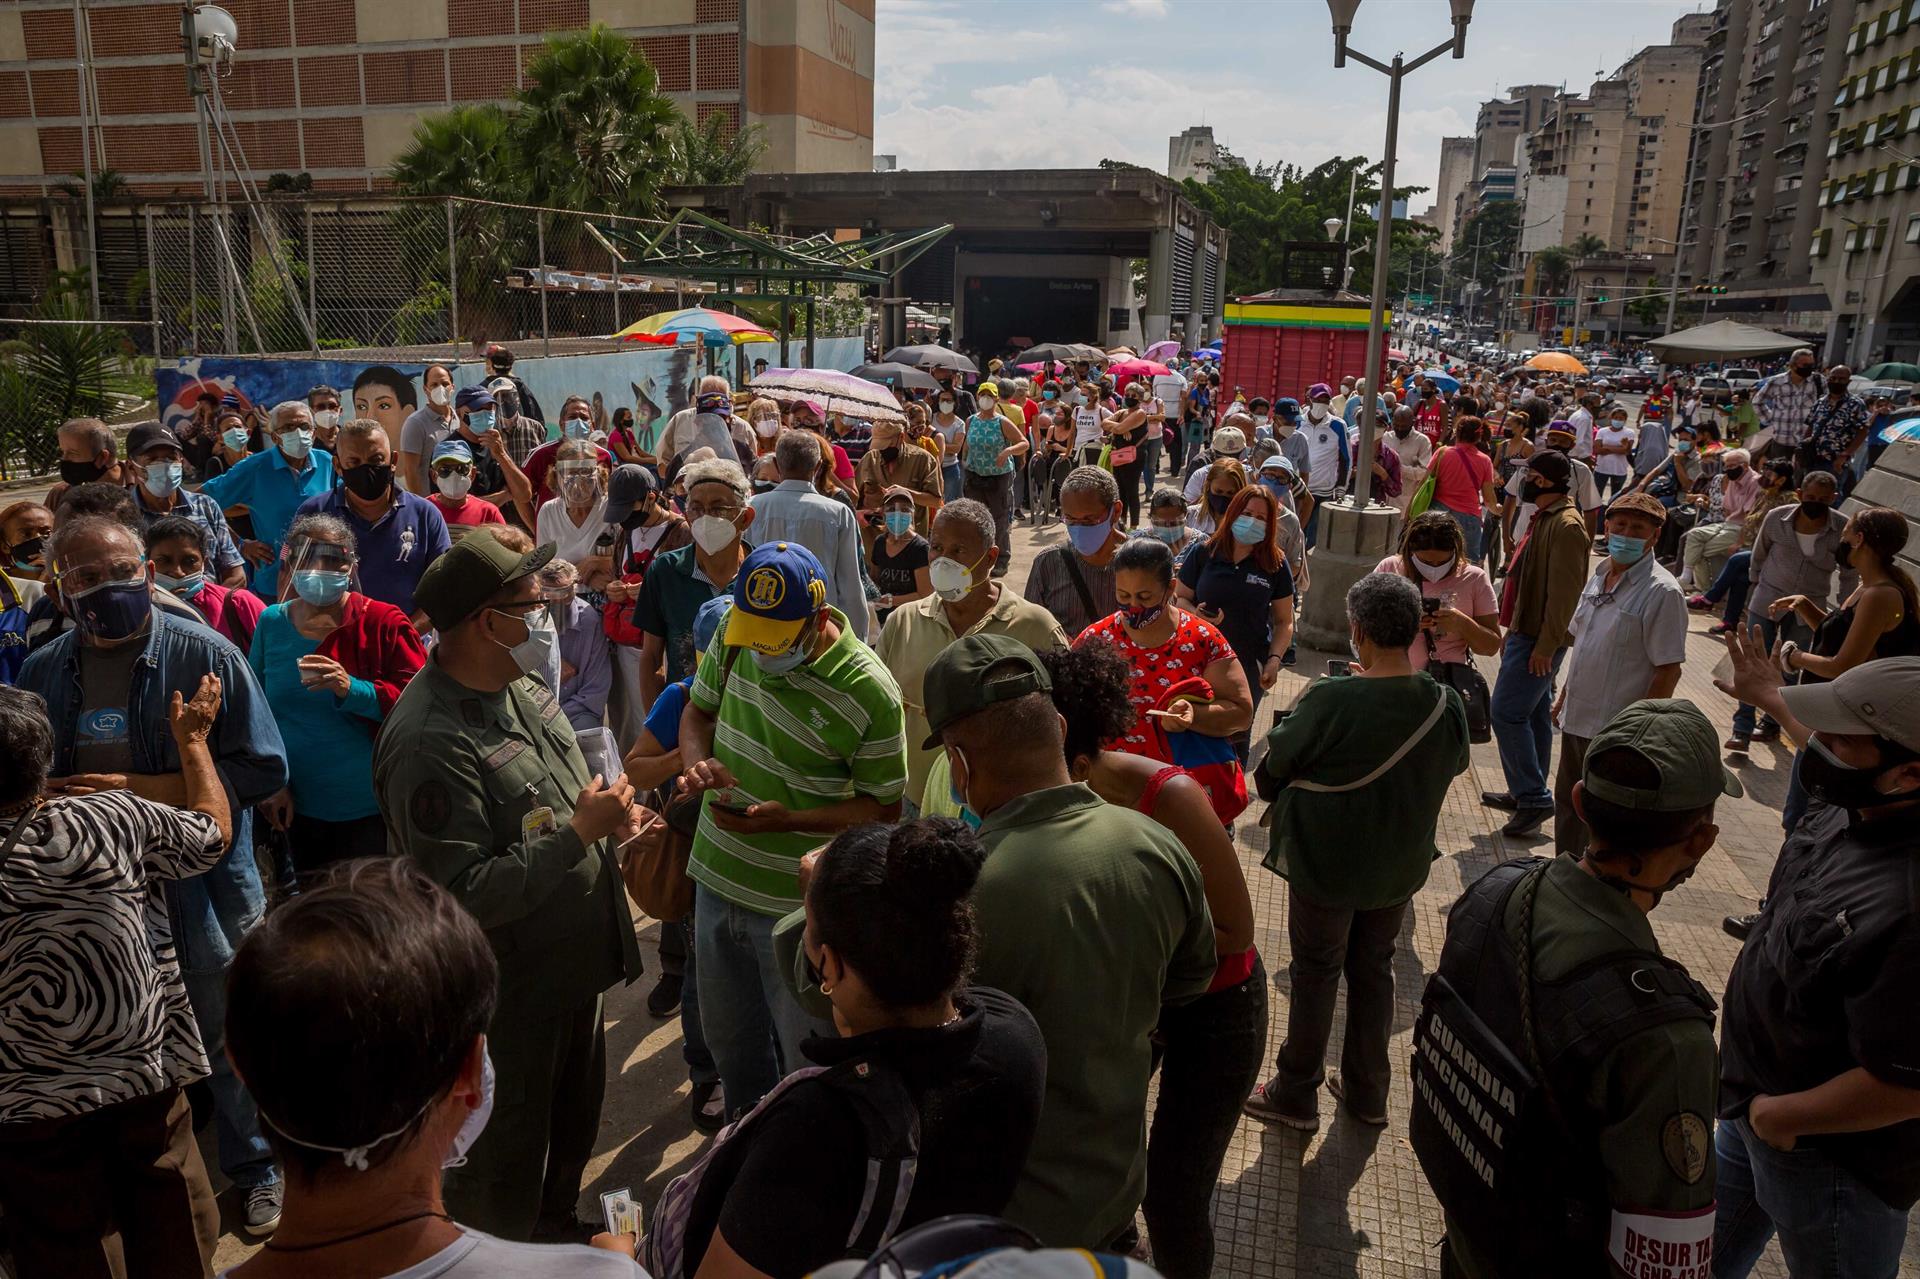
{"points": [[1743, 379], [1714, 390], [1633, 379]]}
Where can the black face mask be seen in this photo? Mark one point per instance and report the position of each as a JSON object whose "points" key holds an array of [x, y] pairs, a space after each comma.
{"points": [[1217, 502], [368, 480], [890, 454], [1735, 472], [1843, 785], [1837, 388], [637, 517], [1843, 555], [1531, 492], [26, 550], [1814, 510], [80, 472]]}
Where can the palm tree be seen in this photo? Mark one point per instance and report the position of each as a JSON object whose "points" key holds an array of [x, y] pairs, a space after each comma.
{"points": [[1587, 245], [463, 152], [1552, 269], [109, 187], [706, 154], [592, 126]]}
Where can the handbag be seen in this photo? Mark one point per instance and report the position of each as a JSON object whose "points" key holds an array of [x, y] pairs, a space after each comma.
{"points": [[1423, 496], [1124, 454], [1465, 679], [655, 870]]}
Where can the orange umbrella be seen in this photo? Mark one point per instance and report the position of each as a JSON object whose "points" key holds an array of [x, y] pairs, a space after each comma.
{"points": [[1556, 362]]}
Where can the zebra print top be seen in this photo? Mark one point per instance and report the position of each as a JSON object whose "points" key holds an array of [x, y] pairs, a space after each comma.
{"points": [[93, 1010]]}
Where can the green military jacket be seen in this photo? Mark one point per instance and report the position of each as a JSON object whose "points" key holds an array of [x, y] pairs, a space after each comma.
{"points": [[462, 777]]}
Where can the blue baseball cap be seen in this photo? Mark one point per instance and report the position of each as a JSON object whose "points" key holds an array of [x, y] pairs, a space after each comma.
{"points": [[1287, 407], [473, 397], [779, 586], [454, 447], [706, 622]]}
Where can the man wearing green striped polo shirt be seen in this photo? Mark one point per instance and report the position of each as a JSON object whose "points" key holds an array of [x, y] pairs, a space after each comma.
{"points": [[798, 733]]}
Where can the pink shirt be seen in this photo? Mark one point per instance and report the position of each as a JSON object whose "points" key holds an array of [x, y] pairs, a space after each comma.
{"points": [[1472, 594], [1738, 497]]}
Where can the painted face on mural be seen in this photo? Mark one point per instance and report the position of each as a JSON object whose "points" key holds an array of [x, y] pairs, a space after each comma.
{"points": [[386, 395]]}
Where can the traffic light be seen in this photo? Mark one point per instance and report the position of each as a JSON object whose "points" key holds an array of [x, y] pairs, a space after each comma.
{"points": [[1709, 288], [1601, 298]]}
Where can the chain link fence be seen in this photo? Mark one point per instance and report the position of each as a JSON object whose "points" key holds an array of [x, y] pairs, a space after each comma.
{"points": [[310, 274]]}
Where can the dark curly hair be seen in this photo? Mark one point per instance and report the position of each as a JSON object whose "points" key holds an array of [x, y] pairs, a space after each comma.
{"points": [[1091, 687], [892, 901]]}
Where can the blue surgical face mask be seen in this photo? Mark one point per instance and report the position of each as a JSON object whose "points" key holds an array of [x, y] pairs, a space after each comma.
{"points": [[480, 421], [899, 522], [1249, 531], [1168, 533], [959, 796], [163, 478], [296, 443], [1624, 549], [577, 428], [1683, 446], [792, 659], [320, 587], [235, 439], [1087, 539], [186, 586]]}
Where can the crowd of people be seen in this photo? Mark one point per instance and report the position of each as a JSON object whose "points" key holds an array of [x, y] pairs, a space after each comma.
{"points": [[338, 761]]}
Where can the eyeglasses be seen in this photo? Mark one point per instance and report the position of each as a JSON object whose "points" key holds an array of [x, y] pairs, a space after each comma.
{"points": [[75, 578], [452, 468], [724, 511]]}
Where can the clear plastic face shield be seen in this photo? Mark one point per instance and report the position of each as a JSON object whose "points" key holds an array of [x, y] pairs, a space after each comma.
{"points": [[318, 572]]}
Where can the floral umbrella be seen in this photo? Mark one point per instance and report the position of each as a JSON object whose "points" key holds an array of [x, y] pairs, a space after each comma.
{"points": [[839, 392]]}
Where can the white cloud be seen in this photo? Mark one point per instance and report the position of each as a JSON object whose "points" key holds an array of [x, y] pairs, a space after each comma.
{"points": [[1137, 8]]}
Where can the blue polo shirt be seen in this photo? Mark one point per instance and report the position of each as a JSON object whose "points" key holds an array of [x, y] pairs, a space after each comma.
{"points": [[272, 491], [395, 549]]}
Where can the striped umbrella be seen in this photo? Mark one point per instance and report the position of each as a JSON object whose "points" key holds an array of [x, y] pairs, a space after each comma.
{"points": [[838, 392], [697, 324]]}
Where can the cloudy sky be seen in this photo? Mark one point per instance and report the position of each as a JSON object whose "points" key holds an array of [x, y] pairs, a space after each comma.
{"points": [[968, 84]]}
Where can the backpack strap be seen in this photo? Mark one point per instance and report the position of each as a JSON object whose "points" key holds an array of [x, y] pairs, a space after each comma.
{"points": [[1080, 585]]}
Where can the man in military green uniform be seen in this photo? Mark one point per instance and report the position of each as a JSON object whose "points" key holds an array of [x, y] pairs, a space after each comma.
{"points": [[481, 783], [1564, 1071]]}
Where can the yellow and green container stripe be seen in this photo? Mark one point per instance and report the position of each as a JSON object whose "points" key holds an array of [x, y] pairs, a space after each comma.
{"points": [[1279, 315]]}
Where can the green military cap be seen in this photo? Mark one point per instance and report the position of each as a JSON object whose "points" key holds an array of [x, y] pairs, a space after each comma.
{"points": [[957, 684], [1680, 743], [470, 574]]}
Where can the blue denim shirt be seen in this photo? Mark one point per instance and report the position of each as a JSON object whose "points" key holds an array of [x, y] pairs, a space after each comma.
{"points": [[211, 911]]}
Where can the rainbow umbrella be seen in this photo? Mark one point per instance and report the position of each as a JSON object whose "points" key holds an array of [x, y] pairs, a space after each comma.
{"points": [[697, 324]]}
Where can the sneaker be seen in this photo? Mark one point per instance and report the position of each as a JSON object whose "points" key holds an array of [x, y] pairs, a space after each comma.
{"points": [[1338, 1089], [1498, 799], [663, 1001], [1260, 1105], [1738, 926], [1292, 657], [1736, 745], [709, 1107], [1699, 603], [1525, 821], [260, 1210]]}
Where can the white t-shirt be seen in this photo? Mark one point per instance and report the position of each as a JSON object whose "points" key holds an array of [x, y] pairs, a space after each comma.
{"points": [[1415, 451], [477, 1255], [1613, 463], [1168, 388], [570, 542], [1086, 426], [1582, 423]]}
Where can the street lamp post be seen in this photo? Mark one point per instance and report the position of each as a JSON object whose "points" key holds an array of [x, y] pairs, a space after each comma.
{"points": [[1395, 71], [1354, 533]]}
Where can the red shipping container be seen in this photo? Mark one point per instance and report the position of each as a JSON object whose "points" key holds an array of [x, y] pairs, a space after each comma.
{"points": [[1274, 347]]}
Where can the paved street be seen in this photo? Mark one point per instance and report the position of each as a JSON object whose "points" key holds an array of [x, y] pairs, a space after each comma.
{"points": [[1349, 1200]]}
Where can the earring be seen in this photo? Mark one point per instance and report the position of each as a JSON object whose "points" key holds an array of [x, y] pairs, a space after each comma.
{"points": [[826, 990]]}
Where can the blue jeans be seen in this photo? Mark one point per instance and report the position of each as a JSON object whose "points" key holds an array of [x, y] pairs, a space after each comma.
{"points": [[1312, 527], [1732, 586], [752, 1022], [1150, 454], [1471, 527], [951, 479], [1743, 714], [244, 1155], [1522, 721], [1830, 1225], [693, 1038]]}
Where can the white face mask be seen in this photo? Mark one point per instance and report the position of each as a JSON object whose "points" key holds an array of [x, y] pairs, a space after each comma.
{"points": [[532, 653], [476, 1121], [453, 487], [946, 406], [951, 579], [713, 534], [766, 427], [1432, 572], [439, 396], [326, 419], [1318, 412]]}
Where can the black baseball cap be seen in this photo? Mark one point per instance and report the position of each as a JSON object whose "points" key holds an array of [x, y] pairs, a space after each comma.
{"points": [[626, 488], [146, 435], [476, 568]]}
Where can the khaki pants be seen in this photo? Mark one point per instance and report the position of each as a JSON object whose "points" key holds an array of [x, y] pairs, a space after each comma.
{"points": [[116, 1191], [1569, 832], [1704, 550]]}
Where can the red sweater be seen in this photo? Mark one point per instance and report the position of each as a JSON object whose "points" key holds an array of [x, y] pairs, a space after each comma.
{"points": [[375, 642]]}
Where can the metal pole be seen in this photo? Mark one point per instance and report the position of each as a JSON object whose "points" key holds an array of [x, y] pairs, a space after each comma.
{"points": [[540, 236], [616, 292], [153, 284], [1346, 256], [1579, 294], [86, 150], [313, 302], [1376, 315], [453, 289], [1679, 247], [193, 279]]}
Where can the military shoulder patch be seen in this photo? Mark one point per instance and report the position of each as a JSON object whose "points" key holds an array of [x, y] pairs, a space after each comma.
{"points": [[431, 807], [1686, 1143]]}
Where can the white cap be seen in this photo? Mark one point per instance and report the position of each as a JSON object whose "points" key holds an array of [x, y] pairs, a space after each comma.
{"points": [[1875, 699]]}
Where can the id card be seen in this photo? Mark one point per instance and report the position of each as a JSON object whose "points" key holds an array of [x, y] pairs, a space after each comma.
{"points": [[621, 1212], [538, 821]]}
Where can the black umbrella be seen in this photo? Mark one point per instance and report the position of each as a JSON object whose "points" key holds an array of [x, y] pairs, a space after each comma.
{"points": [[1061, 353], [931, 357], [903, 377]]}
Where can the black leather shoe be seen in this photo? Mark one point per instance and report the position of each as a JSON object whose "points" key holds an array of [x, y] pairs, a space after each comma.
{"points": [[1525, 821], [1738, 926], [663, 1000], [1498, 799]]}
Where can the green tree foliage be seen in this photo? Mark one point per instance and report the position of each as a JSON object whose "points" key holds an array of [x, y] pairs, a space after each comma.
{"points": [[1266, 205], [706, 154], [1587, 245], [54, 372], [1484, 245], [591, 127], [1552, 270]]}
